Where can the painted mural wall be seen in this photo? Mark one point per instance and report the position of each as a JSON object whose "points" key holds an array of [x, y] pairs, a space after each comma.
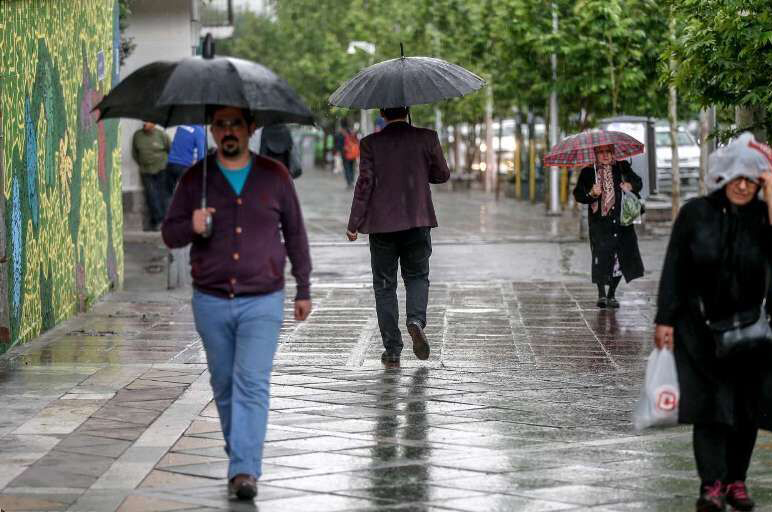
{"points": [[61, 180]]}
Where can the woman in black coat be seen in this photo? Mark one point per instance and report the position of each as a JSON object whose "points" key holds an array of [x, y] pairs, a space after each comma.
{"points": [[614, 247], [716, 265]]}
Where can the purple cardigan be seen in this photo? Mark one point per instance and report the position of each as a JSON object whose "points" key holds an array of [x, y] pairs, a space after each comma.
{"points": [[396, 166], [245, 254]]}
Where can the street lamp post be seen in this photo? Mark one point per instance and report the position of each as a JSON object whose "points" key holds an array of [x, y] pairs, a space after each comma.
{"points": [[368, 48]]}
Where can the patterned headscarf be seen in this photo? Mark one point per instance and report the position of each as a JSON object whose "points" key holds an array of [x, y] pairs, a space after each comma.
{"points": [[605, 178]]}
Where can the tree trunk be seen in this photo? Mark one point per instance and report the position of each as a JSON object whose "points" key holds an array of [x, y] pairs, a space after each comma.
{"points": [[490, 161], [751, 118], [705, 131], [672, 106], [518, 156], [325, 147], [499, 150], [613, 76], [531, 157], [456, 148]]}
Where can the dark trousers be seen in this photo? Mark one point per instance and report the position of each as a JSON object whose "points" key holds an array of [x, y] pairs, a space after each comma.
{"points": [[154, 185], [348, 171], [409, 249], [723, 453], [173, 174]]}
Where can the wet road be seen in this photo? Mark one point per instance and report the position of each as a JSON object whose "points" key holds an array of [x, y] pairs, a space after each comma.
{"points": [[524, 405]]}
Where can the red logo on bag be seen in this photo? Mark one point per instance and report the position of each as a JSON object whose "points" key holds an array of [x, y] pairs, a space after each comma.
{"points": [[667, 399]]}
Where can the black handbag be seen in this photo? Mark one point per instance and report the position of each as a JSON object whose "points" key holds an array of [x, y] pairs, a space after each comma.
{"points": [[744, 332]]}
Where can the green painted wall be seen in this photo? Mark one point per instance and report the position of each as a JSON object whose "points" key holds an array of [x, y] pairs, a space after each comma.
{"points": [[62, 174]]}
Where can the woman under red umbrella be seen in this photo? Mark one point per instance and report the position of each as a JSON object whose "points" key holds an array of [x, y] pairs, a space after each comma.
{"points": [[614, 247]]}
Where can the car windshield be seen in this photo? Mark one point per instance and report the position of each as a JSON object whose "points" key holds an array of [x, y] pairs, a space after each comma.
{"points": [[683, 139]]}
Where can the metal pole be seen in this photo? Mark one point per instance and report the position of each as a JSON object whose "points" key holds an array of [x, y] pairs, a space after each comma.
{"points": [[554, 204]]}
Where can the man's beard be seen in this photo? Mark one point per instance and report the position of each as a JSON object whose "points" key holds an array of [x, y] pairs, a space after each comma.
{"points": [[230, 150]]}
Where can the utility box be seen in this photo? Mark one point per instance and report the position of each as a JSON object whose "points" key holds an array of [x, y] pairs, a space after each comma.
{"points": [[644, 165]]}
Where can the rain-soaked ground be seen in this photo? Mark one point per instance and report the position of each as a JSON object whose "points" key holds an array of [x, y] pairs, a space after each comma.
{"points": [[524, 405]]}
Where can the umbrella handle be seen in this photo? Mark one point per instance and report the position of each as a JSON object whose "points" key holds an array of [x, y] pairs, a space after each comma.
{"points": [[208, 223]]}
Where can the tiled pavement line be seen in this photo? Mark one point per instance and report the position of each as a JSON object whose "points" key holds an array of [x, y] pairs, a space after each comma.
{"points": [[523, 349], [35, 437], [187, 487], [357, 354], [136, 462], [597, 339], [76, 461]]}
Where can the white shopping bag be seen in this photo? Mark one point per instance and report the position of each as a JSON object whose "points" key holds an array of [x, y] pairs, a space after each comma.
{"points": [[660, 396]]}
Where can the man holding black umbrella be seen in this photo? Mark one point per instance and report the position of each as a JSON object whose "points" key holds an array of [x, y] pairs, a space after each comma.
{"points": [[238, 279], [393, 203]]}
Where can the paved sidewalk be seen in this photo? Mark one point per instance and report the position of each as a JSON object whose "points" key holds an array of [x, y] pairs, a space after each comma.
{"points": [[524, 405]]}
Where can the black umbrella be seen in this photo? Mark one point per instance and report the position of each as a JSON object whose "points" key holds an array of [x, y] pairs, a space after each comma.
{"points": [[172, 93], [185, 92], [406, 81]]}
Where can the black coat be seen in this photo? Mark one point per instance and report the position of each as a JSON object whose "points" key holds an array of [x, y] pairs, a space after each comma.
{"points": [[276, 142], [607, 237], [719, 254]]}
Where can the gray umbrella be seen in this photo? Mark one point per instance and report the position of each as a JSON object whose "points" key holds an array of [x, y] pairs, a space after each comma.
{"points": [[406, 81]]}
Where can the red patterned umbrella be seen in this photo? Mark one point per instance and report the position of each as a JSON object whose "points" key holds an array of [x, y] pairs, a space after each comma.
{"points": [[580, 148]]}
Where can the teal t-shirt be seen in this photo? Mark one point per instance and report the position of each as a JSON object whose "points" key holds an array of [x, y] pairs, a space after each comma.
{"points": [[236, 177]]}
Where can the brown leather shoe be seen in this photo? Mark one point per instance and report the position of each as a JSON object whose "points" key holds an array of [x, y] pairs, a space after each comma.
{"points": [[420, 343], [243, 486], [390, 360]]}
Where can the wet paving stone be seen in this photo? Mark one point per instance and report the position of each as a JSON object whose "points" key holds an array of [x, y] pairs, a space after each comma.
{"points": [[524, 404]]}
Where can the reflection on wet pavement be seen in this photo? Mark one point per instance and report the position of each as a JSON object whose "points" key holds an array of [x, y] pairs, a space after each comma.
{"points": [[523, 406]]}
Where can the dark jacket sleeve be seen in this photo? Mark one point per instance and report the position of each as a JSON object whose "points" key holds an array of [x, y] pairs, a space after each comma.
{"points": [[673, 295], [583, 186], [438, 170], [630, 176], [177, 228], [296, 239], [364, 186]]}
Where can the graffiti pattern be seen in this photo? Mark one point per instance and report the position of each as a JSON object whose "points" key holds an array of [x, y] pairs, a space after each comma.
{"points": [[61, 185]]}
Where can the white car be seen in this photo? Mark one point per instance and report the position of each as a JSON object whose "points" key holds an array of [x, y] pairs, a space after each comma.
{"points": [[688, 158]]}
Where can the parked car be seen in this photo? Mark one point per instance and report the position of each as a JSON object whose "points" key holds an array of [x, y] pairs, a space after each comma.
{"points": [[688, 160]]}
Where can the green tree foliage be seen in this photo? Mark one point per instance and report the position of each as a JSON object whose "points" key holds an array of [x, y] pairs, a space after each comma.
{"points": [[611, 53], [725, 54]]}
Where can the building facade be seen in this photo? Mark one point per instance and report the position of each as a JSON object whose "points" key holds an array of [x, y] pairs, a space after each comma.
{"points": [[61, 244]]}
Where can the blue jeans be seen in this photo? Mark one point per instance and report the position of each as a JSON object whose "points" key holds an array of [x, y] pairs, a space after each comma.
{"points": [[240, 337]]}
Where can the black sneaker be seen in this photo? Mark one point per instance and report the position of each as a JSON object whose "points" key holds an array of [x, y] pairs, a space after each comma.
{"points": [[737, 496], [712, 498], [602, 303], [420, 343], [390, 360], [243, 486], [612, 302]]}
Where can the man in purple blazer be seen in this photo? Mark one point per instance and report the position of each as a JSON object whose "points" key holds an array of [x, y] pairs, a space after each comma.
{"points": [[238, 279], [393, 203]]}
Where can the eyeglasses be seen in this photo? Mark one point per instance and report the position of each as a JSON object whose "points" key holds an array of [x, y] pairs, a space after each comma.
{"points": [[233, 124], [747, 180]]}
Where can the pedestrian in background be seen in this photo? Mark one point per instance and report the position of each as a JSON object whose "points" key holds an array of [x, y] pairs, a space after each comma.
{"points": [[188, 147], [393, 203], [276, 142], [150, 149], [347, 143], [614, 247], [337, 151], [718, 265], [238, 280]]}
